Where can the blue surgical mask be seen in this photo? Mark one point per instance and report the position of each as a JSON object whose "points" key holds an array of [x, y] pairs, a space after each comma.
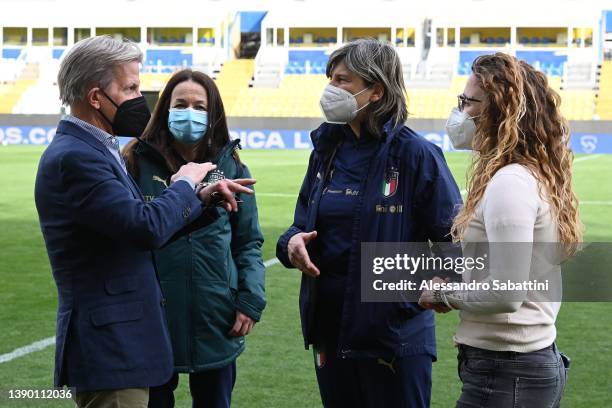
{"points": [[188, 125]]}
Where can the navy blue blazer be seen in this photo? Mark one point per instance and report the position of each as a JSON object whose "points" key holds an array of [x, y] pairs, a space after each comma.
{"points": [[111, 325]]}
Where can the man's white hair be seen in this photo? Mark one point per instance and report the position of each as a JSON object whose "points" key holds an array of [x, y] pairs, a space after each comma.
{"points": [[90, 63]]}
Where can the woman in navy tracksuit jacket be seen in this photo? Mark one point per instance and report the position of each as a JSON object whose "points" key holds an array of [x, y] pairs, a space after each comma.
{"points": [[371, 179]]}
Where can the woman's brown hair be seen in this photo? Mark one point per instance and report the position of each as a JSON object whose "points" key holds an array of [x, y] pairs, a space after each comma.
{"points": [[158, 135], [521, 123]]}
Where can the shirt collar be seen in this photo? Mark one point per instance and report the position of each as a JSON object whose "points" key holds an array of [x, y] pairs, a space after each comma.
{"points": [[99, 134]]}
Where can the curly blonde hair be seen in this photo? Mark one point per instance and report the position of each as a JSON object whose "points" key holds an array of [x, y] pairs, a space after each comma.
{"points": [[521, 123]]}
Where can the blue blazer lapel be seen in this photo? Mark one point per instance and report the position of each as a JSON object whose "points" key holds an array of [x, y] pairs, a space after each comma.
{"points": [[71, 129], [134, 186]]}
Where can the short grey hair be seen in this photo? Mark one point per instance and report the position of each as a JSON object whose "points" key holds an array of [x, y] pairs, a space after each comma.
{"points": [[375, 62], [91, 62]]}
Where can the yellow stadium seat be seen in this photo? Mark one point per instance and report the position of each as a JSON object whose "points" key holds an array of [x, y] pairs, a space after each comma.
{"points": [[12, 92]]}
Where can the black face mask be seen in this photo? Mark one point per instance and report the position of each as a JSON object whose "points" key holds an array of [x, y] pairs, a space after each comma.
{"points": [[131, 118]]}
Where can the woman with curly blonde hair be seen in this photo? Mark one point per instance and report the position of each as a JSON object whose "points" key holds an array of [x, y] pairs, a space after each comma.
{"points": [[519, 196]]}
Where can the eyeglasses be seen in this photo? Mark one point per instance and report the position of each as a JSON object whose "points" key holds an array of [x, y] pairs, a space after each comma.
{"points": [[462, 99]]}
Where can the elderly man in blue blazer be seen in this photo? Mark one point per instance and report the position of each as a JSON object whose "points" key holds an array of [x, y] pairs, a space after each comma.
{"points": [[112, 342]]}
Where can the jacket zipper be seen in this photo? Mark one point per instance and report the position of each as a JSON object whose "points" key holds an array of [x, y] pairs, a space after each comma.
{"points": [[325, 165], [190, 306], [344, 352]]}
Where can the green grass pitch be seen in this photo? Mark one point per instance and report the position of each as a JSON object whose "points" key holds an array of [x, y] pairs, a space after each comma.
{"points": [[275, 370]]}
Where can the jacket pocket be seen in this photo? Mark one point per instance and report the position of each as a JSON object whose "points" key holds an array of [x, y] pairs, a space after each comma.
{"points": [[120, 285], [124, 312], [112, 338], [215, 312]]}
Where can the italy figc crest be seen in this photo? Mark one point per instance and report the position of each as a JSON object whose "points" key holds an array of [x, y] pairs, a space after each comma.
{"points": [[390, 183]]}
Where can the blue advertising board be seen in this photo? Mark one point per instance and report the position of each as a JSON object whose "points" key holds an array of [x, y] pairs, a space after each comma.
{"points": [[292, 139]]}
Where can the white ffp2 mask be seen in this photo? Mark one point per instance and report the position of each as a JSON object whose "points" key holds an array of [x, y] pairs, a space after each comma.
{"points": [[461, 129], [338, 105]]}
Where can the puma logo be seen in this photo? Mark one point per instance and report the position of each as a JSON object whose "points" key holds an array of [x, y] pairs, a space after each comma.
{"points": [[387, 364], [161, 180]]}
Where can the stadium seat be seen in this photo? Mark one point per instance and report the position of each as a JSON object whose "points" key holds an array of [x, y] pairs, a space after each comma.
{"points": [[603, 107], [168, 58], [11, 93], [11, 53]]}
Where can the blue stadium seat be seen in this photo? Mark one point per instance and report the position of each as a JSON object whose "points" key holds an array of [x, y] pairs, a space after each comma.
{"points": [[11, 53], [535, 40], [298, 60], [169, 58], [547, 61]]}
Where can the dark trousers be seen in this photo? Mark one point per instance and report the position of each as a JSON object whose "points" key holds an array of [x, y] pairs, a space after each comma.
{"points": [[510, 379], [373, 382], [209, 389], [362, 382]]}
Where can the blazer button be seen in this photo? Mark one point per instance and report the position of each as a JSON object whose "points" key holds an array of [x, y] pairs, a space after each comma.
{"points": [[163, 301], [186, 212]]}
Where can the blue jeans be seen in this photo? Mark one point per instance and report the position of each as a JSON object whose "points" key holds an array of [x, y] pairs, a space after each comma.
{"points": [[509, 379]]}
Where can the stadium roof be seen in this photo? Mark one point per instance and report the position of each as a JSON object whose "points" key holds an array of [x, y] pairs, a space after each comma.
{"points": [[335, 15], [521, 13], [444, 13], [302, 13], [111, 13]]}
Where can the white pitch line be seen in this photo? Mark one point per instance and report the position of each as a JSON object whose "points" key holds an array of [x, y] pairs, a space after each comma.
{"points": [[585, 158], [271, 262], [578, 160], [276, 195], [49, 341], [595, 202], [25, 350]]}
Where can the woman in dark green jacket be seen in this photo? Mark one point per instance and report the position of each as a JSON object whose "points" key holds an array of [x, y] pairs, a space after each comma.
{"points": [[212, 279]]}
